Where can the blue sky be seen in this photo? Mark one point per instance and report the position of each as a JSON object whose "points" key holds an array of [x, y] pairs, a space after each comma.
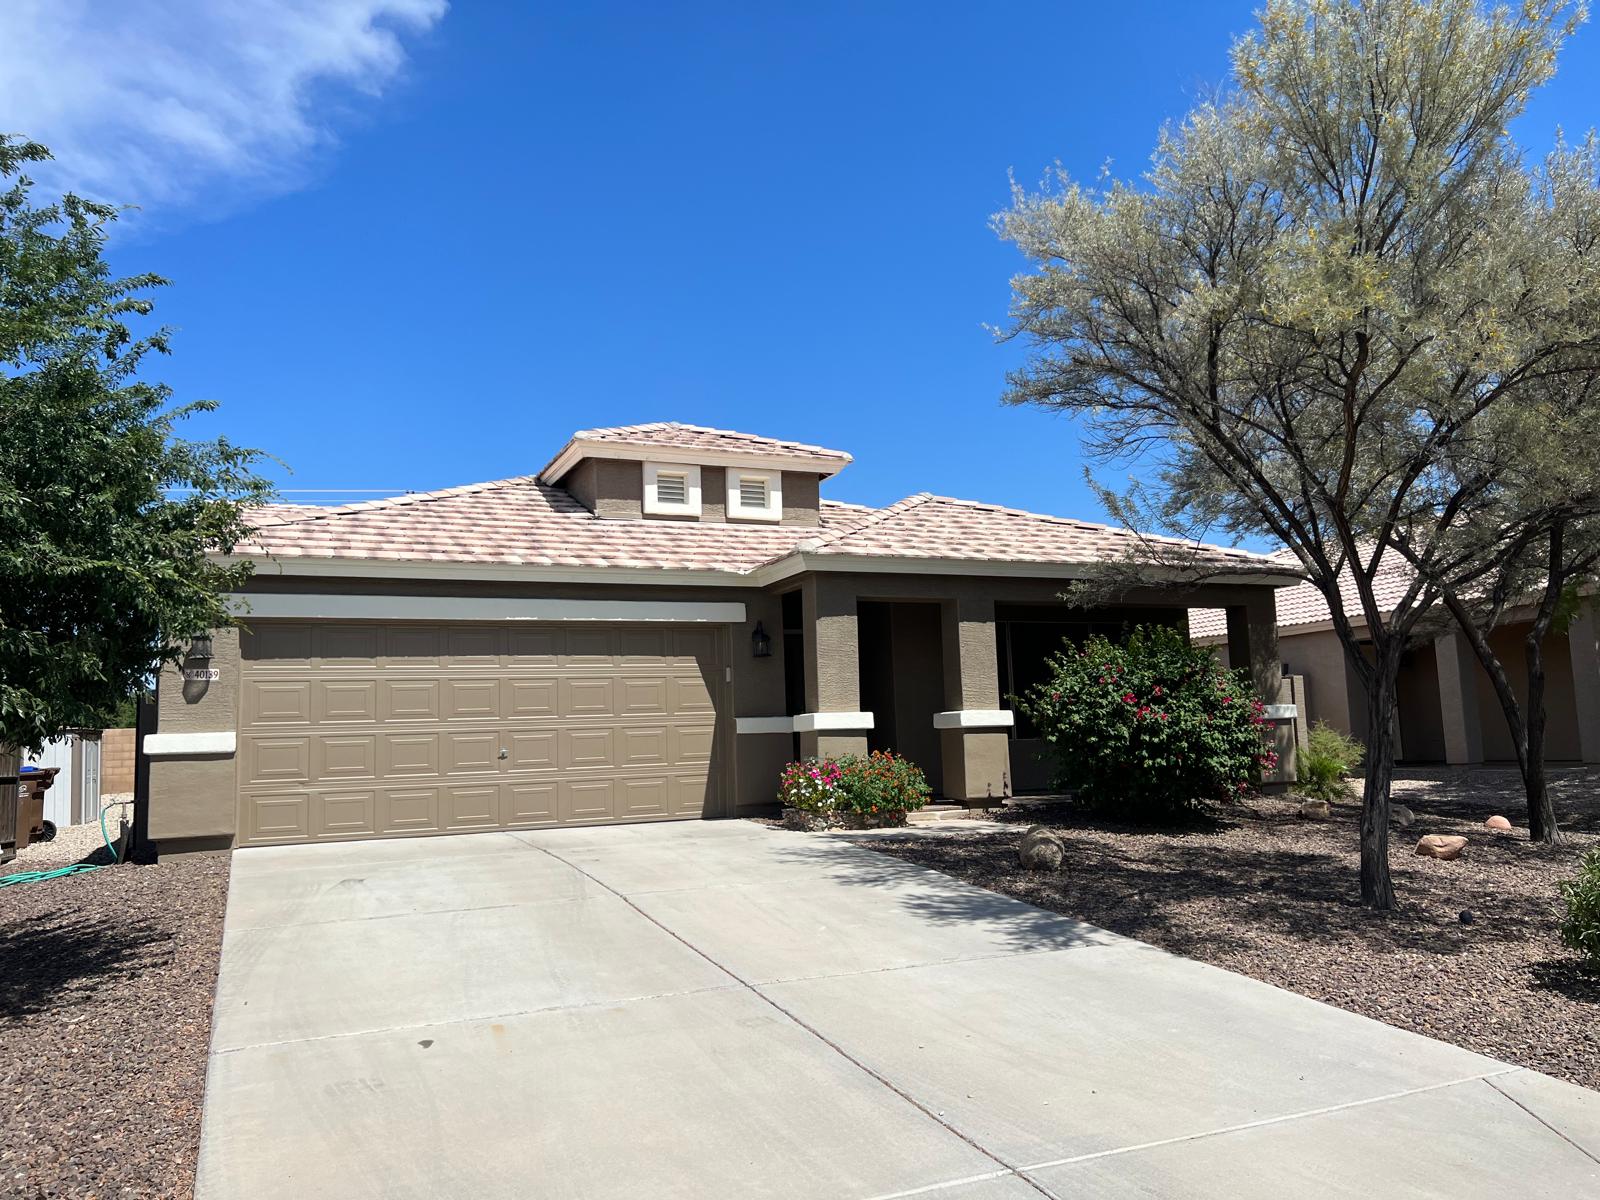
{"points": [[413, 247]]}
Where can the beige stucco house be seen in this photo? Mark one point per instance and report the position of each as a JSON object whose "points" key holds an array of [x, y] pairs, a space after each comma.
{"points": [[647, 629], [1448, 711]]}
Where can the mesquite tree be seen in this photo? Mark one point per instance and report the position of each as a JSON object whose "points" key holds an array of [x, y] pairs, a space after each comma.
{"points": [[102, 573], [1334, 277]]}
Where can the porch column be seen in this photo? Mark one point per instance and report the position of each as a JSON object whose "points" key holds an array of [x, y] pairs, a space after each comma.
{"points": [[1583, 638], [833, 723], [1253, 644], [1458, 699], [974, 745]]}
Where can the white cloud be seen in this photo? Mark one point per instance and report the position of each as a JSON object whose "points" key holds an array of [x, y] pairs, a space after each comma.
{"points": [[166, 103]]}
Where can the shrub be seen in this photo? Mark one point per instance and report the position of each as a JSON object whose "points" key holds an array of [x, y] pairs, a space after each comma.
{"points": [[883, 782], [811, 786], [1327, 758], [1149, 728], [1581, 894]]}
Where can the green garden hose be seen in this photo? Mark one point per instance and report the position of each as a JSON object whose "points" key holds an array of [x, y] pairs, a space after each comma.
{"points": [[61, 872]]}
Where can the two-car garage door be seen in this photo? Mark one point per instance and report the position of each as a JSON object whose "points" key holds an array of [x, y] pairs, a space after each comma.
{"points": [[392, 729]]}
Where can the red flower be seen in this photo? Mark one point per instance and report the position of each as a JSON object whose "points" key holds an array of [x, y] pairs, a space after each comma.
{"points": [[1129, 698]]}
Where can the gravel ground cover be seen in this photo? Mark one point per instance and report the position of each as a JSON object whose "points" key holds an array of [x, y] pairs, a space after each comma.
{"points": [[106, 985], [1472, 957]]}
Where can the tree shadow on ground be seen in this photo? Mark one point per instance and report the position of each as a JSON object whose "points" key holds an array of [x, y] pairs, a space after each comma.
{"points": [[58, 960], [1571, 977]]}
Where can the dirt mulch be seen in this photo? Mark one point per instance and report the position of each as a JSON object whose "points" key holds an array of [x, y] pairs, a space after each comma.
{"points": [[106, 985], [1472, 957]]}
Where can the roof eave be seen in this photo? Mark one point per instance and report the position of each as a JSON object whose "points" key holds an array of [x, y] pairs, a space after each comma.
{"points": [[578, 449]]}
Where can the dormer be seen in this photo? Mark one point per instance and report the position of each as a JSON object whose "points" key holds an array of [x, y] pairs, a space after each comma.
{"points": [[672, 472]]}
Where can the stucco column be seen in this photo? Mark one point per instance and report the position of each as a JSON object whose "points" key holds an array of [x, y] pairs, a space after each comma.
{"points": [[974, 738], [833, 723], [1583, 638], [1253, 644], [1458, 699]]}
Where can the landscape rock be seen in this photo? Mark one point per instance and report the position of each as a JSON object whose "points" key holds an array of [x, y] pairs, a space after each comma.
{"points": [[1445, 846], [1315, 810], [1403, 816], [1040, 850], [1498, 823]]}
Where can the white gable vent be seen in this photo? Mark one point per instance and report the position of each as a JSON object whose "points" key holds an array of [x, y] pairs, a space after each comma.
{"points": [[755, 495], [672, 489]]}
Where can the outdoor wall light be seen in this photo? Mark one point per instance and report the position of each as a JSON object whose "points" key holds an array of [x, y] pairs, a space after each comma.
{"points": [[200, 646], [760, 642]]}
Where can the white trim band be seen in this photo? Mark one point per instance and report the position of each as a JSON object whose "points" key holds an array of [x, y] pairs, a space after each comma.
{"points": [[181, 745], [832, 722], [975, 718], [1280, 712], [763, 724], [480, 608]]}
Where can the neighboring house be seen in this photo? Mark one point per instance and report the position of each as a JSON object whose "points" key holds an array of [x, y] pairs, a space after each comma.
{"points": [[647, 629], [1448, 710]]}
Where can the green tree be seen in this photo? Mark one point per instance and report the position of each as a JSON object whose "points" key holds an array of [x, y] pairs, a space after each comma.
{"points": [[103, 574], [1332, 291]]}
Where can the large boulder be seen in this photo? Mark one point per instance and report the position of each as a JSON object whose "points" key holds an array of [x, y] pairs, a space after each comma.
{"points": [[1314, 810], [1444, 846], [1498, 823], [1040, 850], [1402, 816]]}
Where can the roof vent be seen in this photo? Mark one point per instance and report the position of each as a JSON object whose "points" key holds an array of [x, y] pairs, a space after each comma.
{"points": [[672, 488]]}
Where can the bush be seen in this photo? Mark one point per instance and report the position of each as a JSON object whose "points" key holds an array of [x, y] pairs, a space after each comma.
{"points": [[1327, 758], [1149, 728], [879, 784], [1581, 928]]}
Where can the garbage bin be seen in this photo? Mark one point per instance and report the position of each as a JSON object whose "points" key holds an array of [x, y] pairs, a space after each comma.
{"points": [[32, 784], [8, 804]]}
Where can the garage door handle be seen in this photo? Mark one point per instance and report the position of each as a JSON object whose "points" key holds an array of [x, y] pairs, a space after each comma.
{"points": [[504, 753]]}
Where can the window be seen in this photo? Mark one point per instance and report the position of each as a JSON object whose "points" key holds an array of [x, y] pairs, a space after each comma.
{"points": [[755, 495], [671, 490]]}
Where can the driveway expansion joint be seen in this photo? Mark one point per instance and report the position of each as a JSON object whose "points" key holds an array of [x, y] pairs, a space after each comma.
{"points": [[1490, 1080]]}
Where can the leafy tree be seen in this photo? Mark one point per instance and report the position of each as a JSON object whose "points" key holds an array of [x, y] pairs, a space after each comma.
{"points": [[102, 574], [1335, 289]]}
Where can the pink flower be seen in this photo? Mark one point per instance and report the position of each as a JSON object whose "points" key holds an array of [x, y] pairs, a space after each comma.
{"points": [[1129, 698], [1161, 716], [1227, 699], [1158, 689]]}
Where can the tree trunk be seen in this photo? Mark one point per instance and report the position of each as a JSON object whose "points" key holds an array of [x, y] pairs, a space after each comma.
{"points": [[1377, 889], [1541, 810]]}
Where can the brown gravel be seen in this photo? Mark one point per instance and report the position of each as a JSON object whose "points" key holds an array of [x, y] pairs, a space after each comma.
{"points": [[106, 984], [1266, 894]]}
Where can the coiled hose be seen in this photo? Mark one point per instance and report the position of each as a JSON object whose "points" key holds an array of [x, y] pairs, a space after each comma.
{"points": [[61, 872]]}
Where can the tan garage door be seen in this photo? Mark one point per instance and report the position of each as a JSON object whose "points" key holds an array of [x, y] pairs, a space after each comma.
{"points": [[384, 730]]}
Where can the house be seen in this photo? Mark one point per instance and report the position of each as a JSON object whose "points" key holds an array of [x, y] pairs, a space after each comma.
{"points": [[1448, 711], [647, 629]]}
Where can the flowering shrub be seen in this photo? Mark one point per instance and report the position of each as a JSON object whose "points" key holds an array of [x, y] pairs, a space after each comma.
{"points": [[1148, 728], [811, 786], [880, 785], [1581, 927]]}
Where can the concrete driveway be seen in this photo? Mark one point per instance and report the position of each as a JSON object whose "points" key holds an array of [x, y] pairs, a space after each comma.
{"points": [[710, 1010]]}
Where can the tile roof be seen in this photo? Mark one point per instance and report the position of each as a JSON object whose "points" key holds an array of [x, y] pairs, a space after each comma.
{"points": [[1304, 603], [523, 522], [674, 435]]}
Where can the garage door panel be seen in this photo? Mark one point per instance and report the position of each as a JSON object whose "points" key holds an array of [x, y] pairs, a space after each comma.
{"points": [[532, 804], [530, 698], [472, 699], [278, 760], [348, 701], [409, 810], [410, 700], [471, 753], [643, 746], [348, 645], [353, 756], [278, 702], [410, 754], [533, 751], [345, 814], [587, 800], [282, 817], [353, 730], [588, 697], [643, 798], [472, 806], [581, 748]]}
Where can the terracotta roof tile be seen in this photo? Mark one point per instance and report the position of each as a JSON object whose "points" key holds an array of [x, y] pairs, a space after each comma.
{"points": [[1304, 603], [521, 521]]}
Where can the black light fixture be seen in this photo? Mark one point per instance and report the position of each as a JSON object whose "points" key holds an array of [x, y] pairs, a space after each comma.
{"points": [[200, 646], [760, 643]]}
